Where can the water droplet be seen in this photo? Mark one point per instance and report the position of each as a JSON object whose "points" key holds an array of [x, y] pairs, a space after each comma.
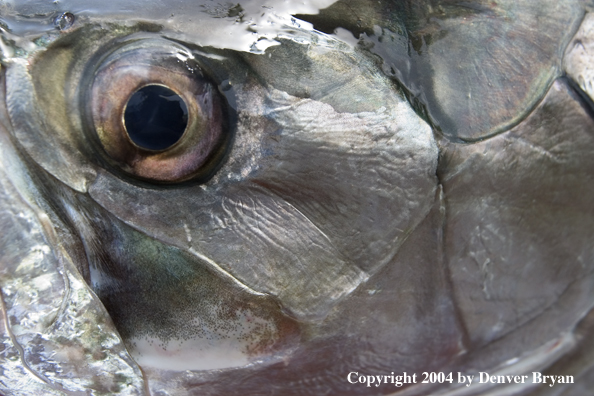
{"points": [[64, 21]]}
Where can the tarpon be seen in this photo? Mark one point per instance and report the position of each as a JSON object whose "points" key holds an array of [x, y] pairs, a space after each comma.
{"points": [[297, 198]]}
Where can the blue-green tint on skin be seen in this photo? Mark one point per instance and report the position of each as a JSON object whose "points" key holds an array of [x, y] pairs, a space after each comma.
{"points": [[155, 117]]}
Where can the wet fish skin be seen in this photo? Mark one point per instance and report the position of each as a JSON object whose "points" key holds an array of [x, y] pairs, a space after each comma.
{"points": [[463, 63], [427, 302], [51, 324]]}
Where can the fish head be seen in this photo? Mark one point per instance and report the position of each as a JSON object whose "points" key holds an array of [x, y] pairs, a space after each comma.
{"points": [[224, 198]]}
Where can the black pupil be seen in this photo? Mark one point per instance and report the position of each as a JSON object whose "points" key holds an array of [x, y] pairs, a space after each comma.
{"points": [[155, 117]]}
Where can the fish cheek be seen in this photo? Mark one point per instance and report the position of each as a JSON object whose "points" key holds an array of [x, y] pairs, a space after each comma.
{"points": [[171, 310]]}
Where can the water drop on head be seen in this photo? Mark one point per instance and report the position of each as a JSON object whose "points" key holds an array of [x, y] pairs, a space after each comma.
{"points": [[64, 21]]}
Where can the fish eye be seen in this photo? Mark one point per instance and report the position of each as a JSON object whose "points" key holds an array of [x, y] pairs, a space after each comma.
{"points": [[155, 114]]}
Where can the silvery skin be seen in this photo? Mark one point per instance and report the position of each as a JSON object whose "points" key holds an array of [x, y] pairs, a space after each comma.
{"points": [[401, 187]]}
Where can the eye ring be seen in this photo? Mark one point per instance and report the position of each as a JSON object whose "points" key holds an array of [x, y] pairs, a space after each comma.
{"points": [[144, 63]]}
